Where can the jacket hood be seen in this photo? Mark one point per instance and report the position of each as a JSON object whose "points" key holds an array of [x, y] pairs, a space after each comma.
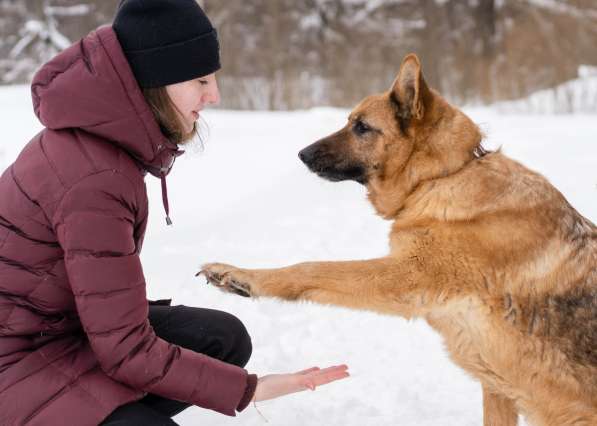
{"points": [[90, 86]]}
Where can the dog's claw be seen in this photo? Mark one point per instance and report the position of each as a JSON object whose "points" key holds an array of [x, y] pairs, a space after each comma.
{"points": [[209, 278]]}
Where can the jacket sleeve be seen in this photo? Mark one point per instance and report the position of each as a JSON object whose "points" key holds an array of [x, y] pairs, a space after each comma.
{"points": [[94, 224]]}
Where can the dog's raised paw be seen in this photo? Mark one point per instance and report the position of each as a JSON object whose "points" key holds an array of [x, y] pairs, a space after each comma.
{"points": [[225, 277]]}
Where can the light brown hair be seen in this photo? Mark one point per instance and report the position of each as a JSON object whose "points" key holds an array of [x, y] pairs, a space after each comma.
{"points": [[167, 116]]}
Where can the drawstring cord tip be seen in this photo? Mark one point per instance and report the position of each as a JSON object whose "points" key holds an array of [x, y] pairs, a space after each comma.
{"points": [[165, 198]]}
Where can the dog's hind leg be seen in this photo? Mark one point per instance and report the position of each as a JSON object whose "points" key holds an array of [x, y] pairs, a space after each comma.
{"points": [[498, 410]]}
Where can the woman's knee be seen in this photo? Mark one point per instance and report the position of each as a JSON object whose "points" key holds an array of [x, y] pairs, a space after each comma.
{"points": [[240, 346], [216, 333]]}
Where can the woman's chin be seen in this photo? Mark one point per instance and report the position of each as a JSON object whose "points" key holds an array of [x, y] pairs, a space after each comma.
{"points": [[190, 133]]}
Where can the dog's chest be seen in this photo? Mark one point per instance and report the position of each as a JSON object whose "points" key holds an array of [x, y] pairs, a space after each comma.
{"points": [[464, 324]]}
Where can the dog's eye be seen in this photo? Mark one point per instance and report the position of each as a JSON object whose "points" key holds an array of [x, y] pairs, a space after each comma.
{"points": [[361, 128]]}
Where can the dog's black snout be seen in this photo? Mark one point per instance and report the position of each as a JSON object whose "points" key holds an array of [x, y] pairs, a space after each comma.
{"points": [[302, 155], [307, 154]]}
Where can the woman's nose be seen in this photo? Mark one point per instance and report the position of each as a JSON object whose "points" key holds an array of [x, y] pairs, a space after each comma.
{"points": [[216, 96], [213, 96]]}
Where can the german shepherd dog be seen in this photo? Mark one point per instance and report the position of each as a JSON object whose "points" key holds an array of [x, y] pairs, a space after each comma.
{"points": [[487, 251]]}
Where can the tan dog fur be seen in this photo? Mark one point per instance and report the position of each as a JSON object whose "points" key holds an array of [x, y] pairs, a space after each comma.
{"points": [[487, 251]]}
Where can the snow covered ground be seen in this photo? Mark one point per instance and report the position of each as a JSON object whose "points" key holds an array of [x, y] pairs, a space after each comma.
{"points": [[247, 200], [578, 95]]}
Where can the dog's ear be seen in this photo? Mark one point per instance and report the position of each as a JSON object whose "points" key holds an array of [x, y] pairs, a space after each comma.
{"points": [[409, 89]]}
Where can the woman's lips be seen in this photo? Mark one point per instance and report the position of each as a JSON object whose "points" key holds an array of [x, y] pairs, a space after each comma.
{"points": [[195, 115]]}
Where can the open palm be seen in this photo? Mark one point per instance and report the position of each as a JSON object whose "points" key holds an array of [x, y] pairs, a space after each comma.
{"points": [[275, 385]]}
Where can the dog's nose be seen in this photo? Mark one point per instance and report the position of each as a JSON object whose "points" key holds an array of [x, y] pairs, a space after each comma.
{"points": [[309, 153], [303, 155]]}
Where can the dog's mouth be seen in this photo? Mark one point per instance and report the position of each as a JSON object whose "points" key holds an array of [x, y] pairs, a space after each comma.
{"points": [[334, 174], [327, 165]]}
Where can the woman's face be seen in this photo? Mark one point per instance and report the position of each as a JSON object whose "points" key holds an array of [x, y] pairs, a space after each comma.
{"points": [[191, 96]]}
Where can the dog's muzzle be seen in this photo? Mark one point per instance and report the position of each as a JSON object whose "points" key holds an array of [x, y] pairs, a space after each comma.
{"points": [[325, 165]]}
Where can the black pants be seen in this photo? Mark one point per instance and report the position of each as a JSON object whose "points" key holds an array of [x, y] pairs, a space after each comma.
{"points": [[214, 333]]}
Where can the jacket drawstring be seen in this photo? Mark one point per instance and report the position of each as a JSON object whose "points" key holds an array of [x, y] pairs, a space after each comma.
{"points": [[165, 198]]}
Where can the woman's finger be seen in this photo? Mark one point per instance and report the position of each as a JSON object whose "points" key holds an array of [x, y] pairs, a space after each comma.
{"points": [[322, 378], [318, 377], [335, 367], [308, 370], [310, 385]]}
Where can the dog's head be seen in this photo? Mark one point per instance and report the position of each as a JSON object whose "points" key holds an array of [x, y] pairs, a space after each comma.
{"points": [[395, 140]]}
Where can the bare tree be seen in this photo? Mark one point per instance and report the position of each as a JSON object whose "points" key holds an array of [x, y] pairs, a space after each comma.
{"points": [[286, 54]]}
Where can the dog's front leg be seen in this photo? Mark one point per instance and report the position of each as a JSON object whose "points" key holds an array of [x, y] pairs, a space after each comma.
{"points": [[498, 410], [383, 285]]}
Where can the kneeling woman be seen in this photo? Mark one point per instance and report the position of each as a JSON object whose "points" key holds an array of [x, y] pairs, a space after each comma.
{"points": [[79, 343]]}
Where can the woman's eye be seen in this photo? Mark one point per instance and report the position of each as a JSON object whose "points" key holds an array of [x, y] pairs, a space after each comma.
{"points": [[203, 82], [361, 128]]}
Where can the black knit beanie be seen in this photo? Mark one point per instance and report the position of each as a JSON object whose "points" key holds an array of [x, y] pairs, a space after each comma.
{"points": [[166, 41]]}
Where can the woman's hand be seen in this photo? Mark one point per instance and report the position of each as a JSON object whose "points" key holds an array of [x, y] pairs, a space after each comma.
{"points": [[275, 385]]}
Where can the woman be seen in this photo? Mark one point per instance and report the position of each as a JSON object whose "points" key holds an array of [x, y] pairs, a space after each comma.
{"points": [[78, 342]]}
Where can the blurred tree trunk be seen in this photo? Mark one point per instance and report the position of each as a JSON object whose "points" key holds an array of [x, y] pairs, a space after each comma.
{"points": [[485, 19], [285, 54]]}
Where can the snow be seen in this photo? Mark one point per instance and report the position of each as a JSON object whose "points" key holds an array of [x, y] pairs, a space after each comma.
{"points": [[45, 31], [577, 95], [585, 71], [558, 6], [76, 10], [247, 200]]}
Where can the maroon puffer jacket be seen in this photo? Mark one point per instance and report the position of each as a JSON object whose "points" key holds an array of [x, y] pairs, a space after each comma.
{"points": [[75, 342]]}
